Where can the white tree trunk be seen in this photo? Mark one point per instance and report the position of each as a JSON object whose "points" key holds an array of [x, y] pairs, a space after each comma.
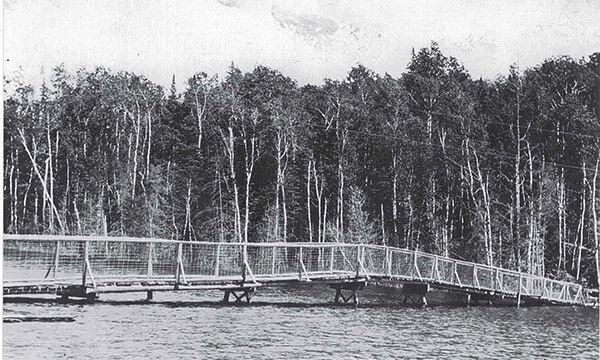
{"points": [[35, 168], [308, 205], [582, 222], [228, 142], [395, 195], [51, 174], [595, 225], [135, 155], [319, 194]]}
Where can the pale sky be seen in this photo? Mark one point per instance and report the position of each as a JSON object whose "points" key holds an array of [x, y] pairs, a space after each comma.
{"points": [[306, 40]]}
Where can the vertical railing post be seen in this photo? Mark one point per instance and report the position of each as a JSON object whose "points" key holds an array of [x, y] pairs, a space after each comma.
{"points": [[358, 260], [453, 272], [179, 262], [475, 282], [244, 260], [331, 260], [149, 293], [273, 261], [388, 260], [300, 263], [543, 286], [415, 270], [362, 260], [520, 285], [180, 271], [218, 260], [434, 270], [85, 262], [56, 257], [150, 255], [495, 279]]}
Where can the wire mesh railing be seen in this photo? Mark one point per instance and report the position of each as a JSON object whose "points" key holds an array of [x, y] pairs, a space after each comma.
{"points": [[91, 260]]}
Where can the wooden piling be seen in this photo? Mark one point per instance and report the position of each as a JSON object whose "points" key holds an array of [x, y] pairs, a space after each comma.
{"points": [[240, 295], [416, 293], [353, 287]]}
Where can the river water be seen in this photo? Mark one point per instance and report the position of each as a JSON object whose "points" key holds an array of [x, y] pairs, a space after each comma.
{"points": [[296, 323]]}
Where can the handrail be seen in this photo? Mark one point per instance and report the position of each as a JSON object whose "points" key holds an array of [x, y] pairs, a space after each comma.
{"points": [[51, 238]]}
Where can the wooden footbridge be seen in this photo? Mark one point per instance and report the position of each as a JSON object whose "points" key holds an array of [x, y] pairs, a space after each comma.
{"points": [[84, 267]]}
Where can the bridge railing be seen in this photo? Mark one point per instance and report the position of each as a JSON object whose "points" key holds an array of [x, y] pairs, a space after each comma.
{"points": [[415, 265], [87, 260]]}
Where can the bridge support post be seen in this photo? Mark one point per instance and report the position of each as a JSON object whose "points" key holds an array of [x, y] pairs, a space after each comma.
{"points": [[77, 291], [91, 297], [240, 295], [149, 295], [351, 292], [415, 293], [475, 298]]}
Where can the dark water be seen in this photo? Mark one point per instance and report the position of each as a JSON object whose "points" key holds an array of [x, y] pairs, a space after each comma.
{"points": [[296, 323]]}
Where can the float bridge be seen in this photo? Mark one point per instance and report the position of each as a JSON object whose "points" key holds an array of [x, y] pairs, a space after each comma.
{"points": [[86, 266]]}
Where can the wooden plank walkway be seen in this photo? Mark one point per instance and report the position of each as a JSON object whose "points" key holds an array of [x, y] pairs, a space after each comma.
{"points": [[78, 266]]}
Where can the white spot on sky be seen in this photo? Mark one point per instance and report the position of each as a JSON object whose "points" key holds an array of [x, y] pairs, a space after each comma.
{"points": [[307, 40], [311, 26]]}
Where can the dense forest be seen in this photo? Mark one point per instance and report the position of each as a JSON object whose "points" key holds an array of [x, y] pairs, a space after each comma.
{"points": [[501, 172]]}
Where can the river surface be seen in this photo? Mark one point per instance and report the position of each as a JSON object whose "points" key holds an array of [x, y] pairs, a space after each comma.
{"points": [[296, 323]]}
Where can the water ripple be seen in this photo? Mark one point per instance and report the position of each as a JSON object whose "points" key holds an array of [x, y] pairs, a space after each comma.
{"points": [[298, 325]]}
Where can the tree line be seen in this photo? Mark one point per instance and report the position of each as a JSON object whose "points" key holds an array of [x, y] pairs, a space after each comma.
{"points": [[502, 172]]}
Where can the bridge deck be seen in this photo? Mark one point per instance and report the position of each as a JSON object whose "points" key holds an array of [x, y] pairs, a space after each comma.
{"points": [[80, 266]]}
